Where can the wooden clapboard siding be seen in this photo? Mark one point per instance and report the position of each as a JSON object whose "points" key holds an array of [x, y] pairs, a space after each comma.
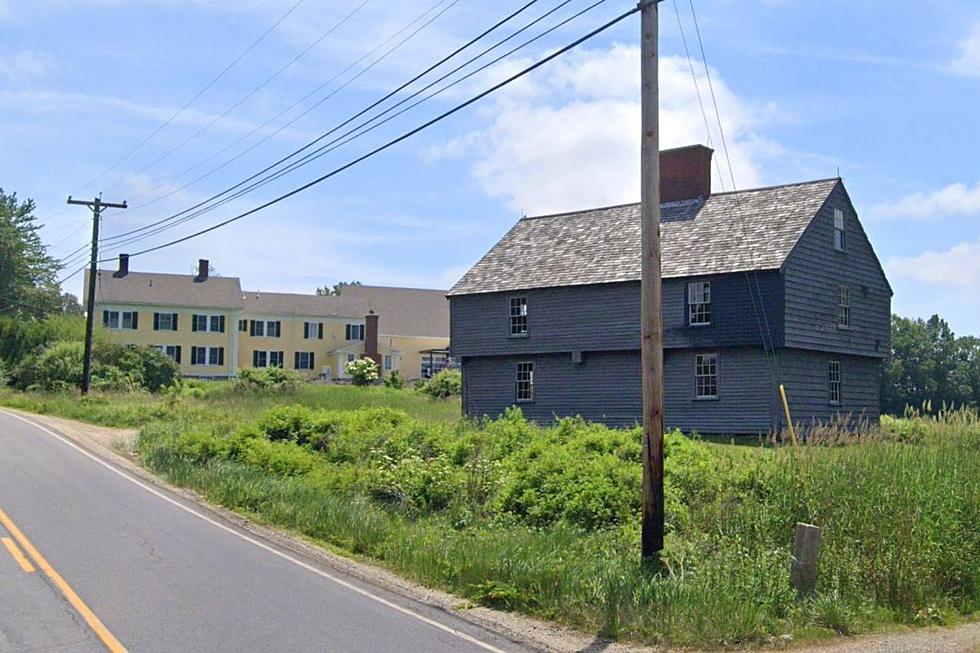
{"points": [[606, 317], [813, 272], [806, 377]]}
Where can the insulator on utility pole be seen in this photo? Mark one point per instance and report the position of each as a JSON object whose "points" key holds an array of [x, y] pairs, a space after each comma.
{"points": [[96, 205]]}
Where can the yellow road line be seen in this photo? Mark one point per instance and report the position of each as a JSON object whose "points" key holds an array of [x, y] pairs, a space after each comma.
{"points": [[94, 623], [24, 563]]}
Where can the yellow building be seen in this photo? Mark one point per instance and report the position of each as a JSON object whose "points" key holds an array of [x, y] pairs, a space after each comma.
{"points": [[213, 328]]}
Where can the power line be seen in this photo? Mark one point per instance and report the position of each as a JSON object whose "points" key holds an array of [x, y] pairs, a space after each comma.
{"points": [[337, 127], [404, 136], [297, 102], [246, 97], [193, 99], [366, 126]]}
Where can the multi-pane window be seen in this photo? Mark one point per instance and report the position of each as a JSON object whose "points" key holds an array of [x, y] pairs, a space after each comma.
{"points": [[351, 358], [833, 374], [207, 355], [173, 351], [525, 382], [313, 330], [120, 319], [265, 328], [303, 360], [706, 376], [518, 316], [432, 364], [387, 362], [355, 332], [164, 321], [243, 325], [843, 308], [208, 323], [699, 302], [267, 358], [840, 234]]}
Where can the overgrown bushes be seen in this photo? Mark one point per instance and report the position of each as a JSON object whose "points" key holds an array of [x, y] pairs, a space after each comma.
{"points": [[446, 383], [268, 379], [114, 367]]}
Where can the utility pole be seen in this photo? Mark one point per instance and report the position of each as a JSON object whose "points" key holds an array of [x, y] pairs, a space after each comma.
{"points": [[96, 205], [651, 329]]}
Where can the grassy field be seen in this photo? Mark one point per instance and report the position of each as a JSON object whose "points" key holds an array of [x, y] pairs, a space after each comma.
{"points": [[545, 520]]}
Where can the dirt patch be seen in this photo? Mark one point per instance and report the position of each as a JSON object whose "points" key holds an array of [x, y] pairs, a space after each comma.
{"points": [[117, 446]]}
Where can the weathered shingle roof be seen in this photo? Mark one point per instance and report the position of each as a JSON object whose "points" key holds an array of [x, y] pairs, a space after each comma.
{"points": [[154, 289], [726, 232], [280, 303], [405, 311]]}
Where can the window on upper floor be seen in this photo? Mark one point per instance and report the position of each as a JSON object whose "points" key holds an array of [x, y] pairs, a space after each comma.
{"points": [[128, 320], [265, 328], [207, 323], [164, 321], [518, 316], [355, 332], [706, 376], [313, 330], [833, 377], [524, 386], [243, 325], [840, 234], [843, 308], [699, 303]]}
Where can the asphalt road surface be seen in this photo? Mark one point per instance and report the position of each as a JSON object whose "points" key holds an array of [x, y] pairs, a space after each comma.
{"points": [[93, 559]]}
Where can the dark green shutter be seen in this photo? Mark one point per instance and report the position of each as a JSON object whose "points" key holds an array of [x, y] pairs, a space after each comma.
{"points": [[173, 319], [221, 324], [156, 321], [306, 330], [282, 359], [136, 320], [320, 331], [312, 366], [105, 318], [221, 354], [177, 354], [193, 325], [296, 361]]}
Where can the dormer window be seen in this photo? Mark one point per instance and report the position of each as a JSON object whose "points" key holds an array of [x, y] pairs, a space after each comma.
{"points": [[699, 303], [839, 232], [518, 316]]}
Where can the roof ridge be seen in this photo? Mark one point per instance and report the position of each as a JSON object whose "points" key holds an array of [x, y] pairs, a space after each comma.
{"points": [[680, 202]]}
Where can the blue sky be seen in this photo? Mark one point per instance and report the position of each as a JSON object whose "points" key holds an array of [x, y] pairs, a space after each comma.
{"points": [[887, 94]]}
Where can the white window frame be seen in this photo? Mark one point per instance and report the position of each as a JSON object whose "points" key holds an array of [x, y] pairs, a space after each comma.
{"points": [[109, 319], [304, 360], [210, 320], [840, 231], [351, 358], [123, 315], [170, 321], [260, 358], [355, 330], [208, 353], [834, 382], [843, 307], [277, 358], [386, 361], [168, 350], [312, 330], [211, 354], [705, 376], [699, 303], [524, 382], [518, 316], [270, 325]]}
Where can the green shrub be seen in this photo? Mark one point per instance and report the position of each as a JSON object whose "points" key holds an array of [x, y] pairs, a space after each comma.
{"points": [[4, 379], [272, 380], [56, 367], [446, 383], [395, 380], [362, 371]]}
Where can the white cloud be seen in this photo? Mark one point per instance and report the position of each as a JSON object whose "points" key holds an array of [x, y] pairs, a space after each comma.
{"points": [[955, 199], [568, 137], [959, 265], [22, 66], [967, 61]]}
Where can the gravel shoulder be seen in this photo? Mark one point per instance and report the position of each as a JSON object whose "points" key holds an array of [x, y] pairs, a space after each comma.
{"points": [[116, 446]]}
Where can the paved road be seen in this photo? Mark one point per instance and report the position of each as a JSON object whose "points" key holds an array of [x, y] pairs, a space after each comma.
{"points": [[159, 574]]}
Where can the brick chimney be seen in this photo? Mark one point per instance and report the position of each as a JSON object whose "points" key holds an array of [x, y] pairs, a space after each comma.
{"points": [[202, 270], [123, 266], [685, 173], [371, 338]]}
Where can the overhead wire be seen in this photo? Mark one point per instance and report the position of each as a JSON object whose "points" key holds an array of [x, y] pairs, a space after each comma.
{"points": [[406, 135], [350, 119], [366, 126]]}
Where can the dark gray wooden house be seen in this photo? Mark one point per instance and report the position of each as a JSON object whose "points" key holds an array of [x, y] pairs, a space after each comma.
{"points": [[761, 287]]}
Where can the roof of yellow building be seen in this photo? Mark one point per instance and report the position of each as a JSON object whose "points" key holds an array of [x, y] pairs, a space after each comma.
{"points": [[405, 311], [156, 289], [280, 303]]}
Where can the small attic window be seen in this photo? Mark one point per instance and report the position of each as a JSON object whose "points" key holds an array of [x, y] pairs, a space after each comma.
{"points": [[839, 232]]}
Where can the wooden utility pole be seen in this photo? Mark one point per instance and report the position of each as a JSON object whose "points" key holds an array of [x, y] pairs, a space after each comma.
{"points": [[96, 205], [651, 330]]}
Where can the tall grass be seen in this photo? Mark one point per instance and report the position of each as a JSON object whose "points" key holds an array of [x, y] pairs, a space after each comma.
{"points": [[541, 520]]}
